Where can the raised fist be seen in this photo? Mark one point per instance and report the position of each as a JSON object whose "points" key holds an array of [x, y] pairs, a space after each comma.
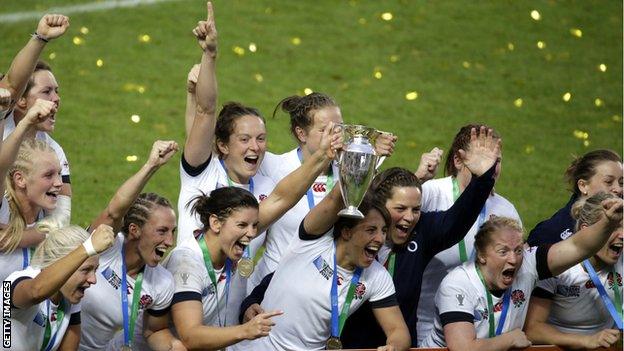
{"points": [[5, 101], [102, 238], [161, 152], [39, 112], [191, 80], [206, 32], [52, 26]]}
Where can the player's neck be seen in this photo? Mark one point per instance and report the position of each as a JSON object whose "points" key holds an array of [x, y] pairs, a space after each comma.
{"points": [[217, 256], [134, 262], [464, 176], [343, 258], [597, 263]]}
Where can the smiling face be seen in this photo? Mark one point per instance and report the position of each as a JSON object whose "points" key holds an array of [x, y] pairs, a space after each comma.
{"points": [[404, 208], [245, 148], [43, 183], [74, 288], [612, 250], [311, 139], [502, 258], [45, 87], [236, 231], [364, 240], [607, 178], [156, 235]]}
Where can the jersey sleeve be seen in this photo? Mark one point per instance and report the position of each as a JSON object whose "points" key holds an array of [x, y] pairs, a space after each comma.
{"points": [[187, 272], [454, 296], [164, 295], [384, 287]]}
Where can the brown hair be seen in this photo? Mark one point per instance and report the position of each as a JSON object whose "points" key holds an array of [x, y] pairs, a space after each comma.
{"points": [[369, 203], [221, 203], [383, 184], [140, 211], [584, 167], [226, 121], [302, 108], [461, 141]]}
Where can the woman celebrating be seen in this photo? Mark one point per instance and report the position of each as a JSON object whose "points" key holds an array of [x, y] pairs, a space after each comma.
{"points": [[483, 303], [30, 170], [439, 195], [596, 171], [137, 289], [570, 310], [45, 297]]}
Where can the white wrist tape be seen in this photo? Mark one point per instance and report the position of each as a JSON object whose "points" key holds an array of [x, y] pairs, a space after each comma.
{"points": [[88, 246]]}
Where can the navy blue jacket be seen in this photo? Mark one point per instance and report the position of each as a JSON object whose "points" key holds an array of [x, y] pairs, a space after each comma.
{"points": [[556, 228]]}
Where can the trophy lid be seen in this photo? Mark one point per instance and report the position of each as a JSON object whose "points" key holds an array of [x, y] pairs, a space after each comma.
{"points": [[357, 130]]}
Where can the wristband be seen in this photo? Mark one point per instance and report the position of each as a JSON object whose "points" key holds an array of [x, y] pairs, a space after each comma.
{"points": [[88, 246], [38, 36]]}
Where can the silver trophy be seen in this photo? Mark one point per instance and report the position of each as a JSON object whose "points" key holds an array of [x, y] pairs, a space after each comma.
{"points": [[356, 166]]}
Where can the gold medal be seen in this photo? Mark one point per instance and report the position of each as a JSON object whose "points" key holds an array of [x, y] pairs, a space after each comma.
{"points": [[334, 343], [126, 348], [245, 267]]}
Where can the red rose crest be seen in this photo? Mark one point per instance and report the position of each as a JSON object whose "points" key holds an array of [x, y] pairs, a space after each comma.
{"points": [[262, 197], [589, 285], [145, 301], [340, 279], [517, 297], [360, 290], [499, 306], [610, 279]]}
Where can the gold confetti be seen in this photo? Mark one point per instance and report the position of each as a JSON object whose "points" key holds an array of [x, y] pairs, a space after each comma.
{"points": [[616, 118], [135, 118], [140, 89], [377, 73], [131, 158], [78, 41], [579, 134], [84, 30], [602, 67], [296, 41], [586, 143], [386, 16], [598, 102], [576, 32], [99, 63], [566, 97], [529, 149], [411, 144], [518, 102], [510, 46], [466, 64], [238, 50], [258, 77], [52, 55], [541, 45], [394, 58], [412, 95], [307, 91], [144, 38], [362, 20], [535, 15], [252, 47]]}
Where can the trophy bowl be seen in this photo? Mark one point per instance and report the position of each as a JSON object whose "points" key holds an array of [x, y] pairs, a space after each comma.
{"points": [[356, 166]]}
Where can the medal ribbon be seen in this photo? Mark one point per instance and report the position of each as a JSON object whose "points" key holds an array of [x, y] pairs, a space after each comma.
{"points": [[506, 301], [213, 278], [616, 312], [129, 323], [25, 258], [329, 183], [48, 338], [390, 262], [337, 322], [463, 254], [246, 252]]}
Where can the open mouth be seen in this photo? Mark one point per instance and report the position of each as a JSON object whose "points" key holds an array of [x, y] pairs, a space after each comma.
{"points": [[53, 195], [241, 245], [371, 251], [251, 159], [81, 289], [402, 230], [508, 276], [616, 248], [160, 252]]}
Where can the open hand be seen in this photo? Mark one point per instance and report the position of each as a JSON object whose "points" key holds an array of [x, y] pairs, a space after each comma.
{"points": [[331, 140], [613, 210], [482, 152], [260, 325], [206, 32], [429, 162], [603, 338], [52, 26], [162, 151]]}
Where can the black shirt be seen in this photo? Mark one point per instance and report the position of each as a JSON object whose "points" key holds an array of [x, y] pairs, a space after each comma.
{"points": [[556, 228]]}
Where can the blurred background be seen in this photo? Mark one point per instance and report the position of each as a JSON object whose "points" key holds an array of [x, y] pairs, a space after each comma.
{"points": [[547, 75]]}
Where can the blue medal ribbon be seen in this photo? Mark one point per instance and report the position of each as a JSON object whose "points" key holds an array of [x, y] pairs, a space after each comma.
{"points": [[337, 321], [503, 317], [329, 183], [603, 293], [25, 260]]}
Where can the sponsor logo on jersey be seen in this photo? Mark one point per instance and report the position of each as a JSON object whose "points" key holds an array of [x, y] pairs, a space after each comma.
{"points": [[323, 267], [565, 234], [319, 187], [111, 277], [460, 299], [517, 297], [568, 290]]}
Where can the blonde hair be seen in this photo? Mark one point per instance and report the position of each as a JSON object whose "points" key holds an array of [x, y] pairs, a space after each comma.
{"points": [[12, 235], [589, 211], [494, 224], [58, 244]]}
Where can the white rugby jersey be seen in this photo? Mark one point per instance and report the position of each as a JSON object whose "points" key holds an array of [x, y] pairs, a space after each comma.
{"points": [[213, 176], [576, 304], [9, 127], [28, 325], [437, 195], [190, 274], [301, 288], [101, 306], [19, 259], [462, 291], [283, 231]]}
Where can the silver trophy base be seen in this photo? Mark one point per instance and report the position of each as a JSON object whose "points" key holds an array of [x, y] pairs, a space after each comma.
{"points": [[351, 212]]}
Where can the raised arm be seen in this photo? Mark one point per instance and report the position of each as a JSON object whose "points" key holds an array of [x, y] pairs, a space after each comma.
{"points": [[30, 292], [49, 27], [39, 112], [429, 162], [113, 214], [587, 241], [290, 189], [200, 140], [191, 99]]}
